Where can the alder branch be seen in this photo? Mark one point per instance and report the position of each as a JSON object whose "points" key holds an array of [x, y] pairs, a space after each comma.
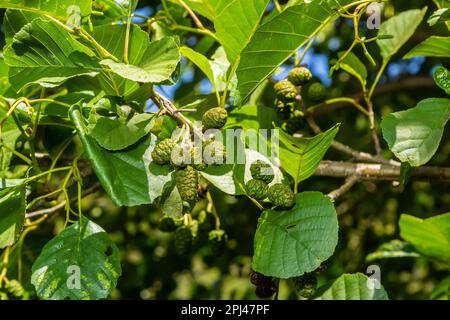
{"points": [[406, 84], [349, 183], [358, 155], [372, 171]]}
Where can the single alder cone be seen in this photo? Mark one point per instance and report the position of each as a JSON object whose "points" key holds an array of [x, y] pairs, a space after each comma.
{"points": [[183, 240], [281, 196], [257, 189], [263, 171], [257, 279], [187, 183], [317, 92], [295, 124], [162, 153], [285, 91], [215, 118], [299, 76], [167, 224], [217, 241]]}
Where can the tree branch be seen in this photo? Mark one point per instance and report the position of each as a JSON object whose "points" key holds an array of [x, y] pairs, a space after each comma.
{"points": [[371, 171], [349, 183]]}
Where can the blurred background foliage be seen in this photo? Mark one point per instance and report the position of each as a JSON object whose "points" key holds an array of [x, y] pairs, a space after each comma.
{"points": [[368, 214]]}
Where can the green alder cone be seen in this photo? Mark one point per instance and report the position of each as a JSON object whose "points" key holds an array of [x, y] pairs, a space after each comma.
{"points": [[281, 196], [263, 171], [317, 92], [285, 91], [217, 242], [183, 240], [294, 125], [257, 189], [167, 224], [162, 153], [215, 118], [299, 76], [187, 183]]}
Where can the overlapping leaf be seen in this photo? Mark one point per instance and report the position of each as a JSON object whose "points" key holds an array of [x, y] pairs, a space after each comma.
{"points": [[122, 174], [300, 157], [277, 39], [45, 53]]}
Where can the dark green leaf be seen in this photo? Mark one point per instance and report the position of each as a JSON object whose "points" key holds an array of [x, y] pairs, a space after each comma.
{"points": [[293, 242], [12, 214], [45, 53], [84, 255], [118, 134], [125, 175], [300, 157], [277, 39]]}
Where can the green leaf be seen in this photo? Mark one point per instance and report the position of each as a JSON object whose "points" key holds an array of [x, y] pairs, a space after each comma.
{"points": [[430, 237], [401, 27], [112, 38], [414, 135], [354, 66], [118, 134], [82, 250], [124, 175], [251, 117], [202, 62], [432, 47], [280, 37], [171, 203], [236, 24], [59, 9], [353, 287], [441, 15], [12, 214], [393, 249], [223, 178], [45, 53], [293, 242], [442, 79], [300, 157], [159, 62], [207, 8]]}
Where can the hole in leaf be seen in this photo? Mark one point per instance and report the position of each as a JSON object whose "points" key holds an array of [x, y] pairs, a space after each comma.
{"points": [[290, 227], [109, 251]]}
